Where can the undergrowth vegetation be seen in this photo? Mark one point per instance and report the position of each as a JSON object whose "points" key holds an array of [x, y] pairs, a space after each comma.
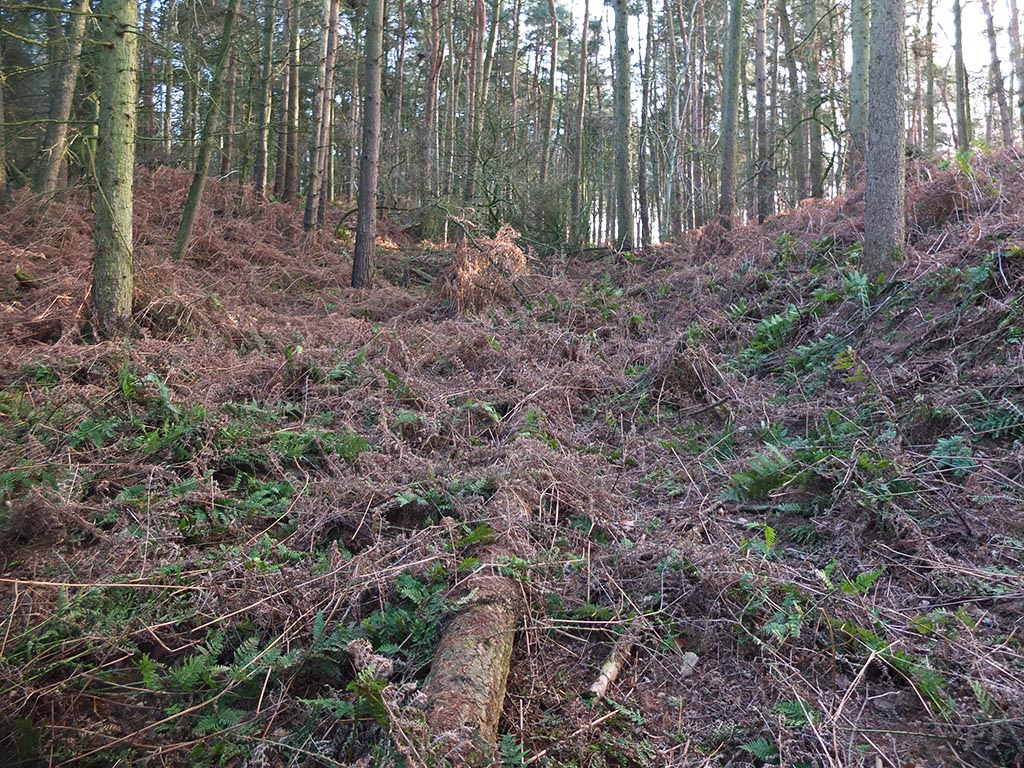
{"points": [[236, 538]]}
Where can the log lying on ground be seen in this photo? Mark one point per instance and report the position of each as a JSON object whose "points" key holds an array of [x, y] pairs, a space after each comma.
{"points": [[465, 689]]}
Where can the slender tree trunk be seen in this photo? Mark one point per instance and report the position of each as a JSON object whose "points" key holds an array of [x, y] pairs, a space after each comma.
{"points": [[798, 128], [646, 76], [227, 149], [195, 192], [764, 191], [929, 88], [115, 165], [474, 110], [291, 169], [624, 235], [3, 132], [366, 226], [860, 26], [1018, 57], [884, 201], [170, 22], [263, 102], [320, 100], [963, 119], [996, 76], [576, 205], [549, 106], [326, 190], [812, 42], [430, 112], [730, 102], [147, 84], [65, 78]]}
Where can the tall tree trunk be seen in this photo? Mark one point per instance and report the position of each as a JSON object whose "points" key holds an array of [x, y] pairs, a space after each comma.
{"points": [[474, 110], [624, 234], [170, 23], [147, 83], [884, 201], [730, 104], [65, 78], [320, 97], [576, 228], [996, 76], [3, 132], [195, 191], [764, 190], [963, 118], [929, 88], [430, 113], [263, 102], [326, 192], [291, 168], [646, 76], [797, 128], [315, 194], [812, 42], [366, 225], [860, 20], [1018, 58], [549, 106], [227, 149], [115, 165]]}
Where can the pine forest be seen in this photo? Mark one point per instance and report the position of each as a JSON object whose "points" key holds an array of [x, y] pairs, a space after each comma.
{"points": [[557, 383]]}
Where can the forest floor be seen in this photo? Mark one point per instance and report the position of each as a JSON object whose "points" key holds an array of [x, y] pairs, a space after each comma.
{"points": [[737, 448]]}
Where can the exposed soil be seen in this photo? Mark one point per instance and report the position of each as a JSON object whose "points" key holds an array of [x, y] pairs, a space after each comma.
{"points": [[736, 447]]}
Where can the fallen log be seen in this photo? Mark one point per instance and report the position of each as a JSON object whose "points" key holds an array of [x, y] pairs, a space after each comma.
{"points": [[465, 689]]}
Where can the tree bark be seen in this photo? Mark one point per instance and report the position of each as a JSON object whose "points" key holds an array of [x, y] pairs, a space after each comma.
{"points": [[430, 113], [290, 187], [884, 201], [929, 88], [115, 165], [996, 76], [859, 75], [195, 191], [576, 228], [764, 191], [1018, 58], [466, 684], [323, 95], [366, 225], [646, 77], [963, 118], [227, 149], [263, 102], [624, 235], [65, 78], [730, 103], [798, 128], [815, 151], [549, 106]]}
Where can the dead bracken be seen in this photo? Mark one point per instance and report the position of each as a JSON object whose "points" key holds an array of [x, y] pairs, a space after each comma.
{"points": [[219, 534]]}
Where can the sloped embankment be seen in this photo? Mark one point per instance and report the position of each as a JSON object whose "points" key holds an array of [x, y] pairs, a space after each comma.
{"points": [[742, 450]]}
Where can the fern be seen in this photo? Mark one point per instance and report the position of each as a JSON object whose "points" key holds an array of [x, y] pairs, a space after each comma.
{"points": [[763, 749], [766, 472], [796, 713], [511, 751], [1000, 423]]}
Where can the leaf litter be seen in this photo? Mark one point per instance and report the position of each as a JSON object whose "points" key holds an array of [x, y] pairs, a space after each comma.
{"points": [[736, 447]]}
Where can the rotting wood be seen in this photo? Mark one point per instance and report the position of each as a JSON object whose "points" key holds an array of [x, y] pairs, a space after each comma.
{"points": [[465, 688], [613, 664]]}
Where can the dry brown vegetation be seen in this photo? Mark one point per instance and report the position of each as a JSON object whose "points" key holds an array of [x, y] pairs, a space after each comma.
{"points": [[737, 449]]}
